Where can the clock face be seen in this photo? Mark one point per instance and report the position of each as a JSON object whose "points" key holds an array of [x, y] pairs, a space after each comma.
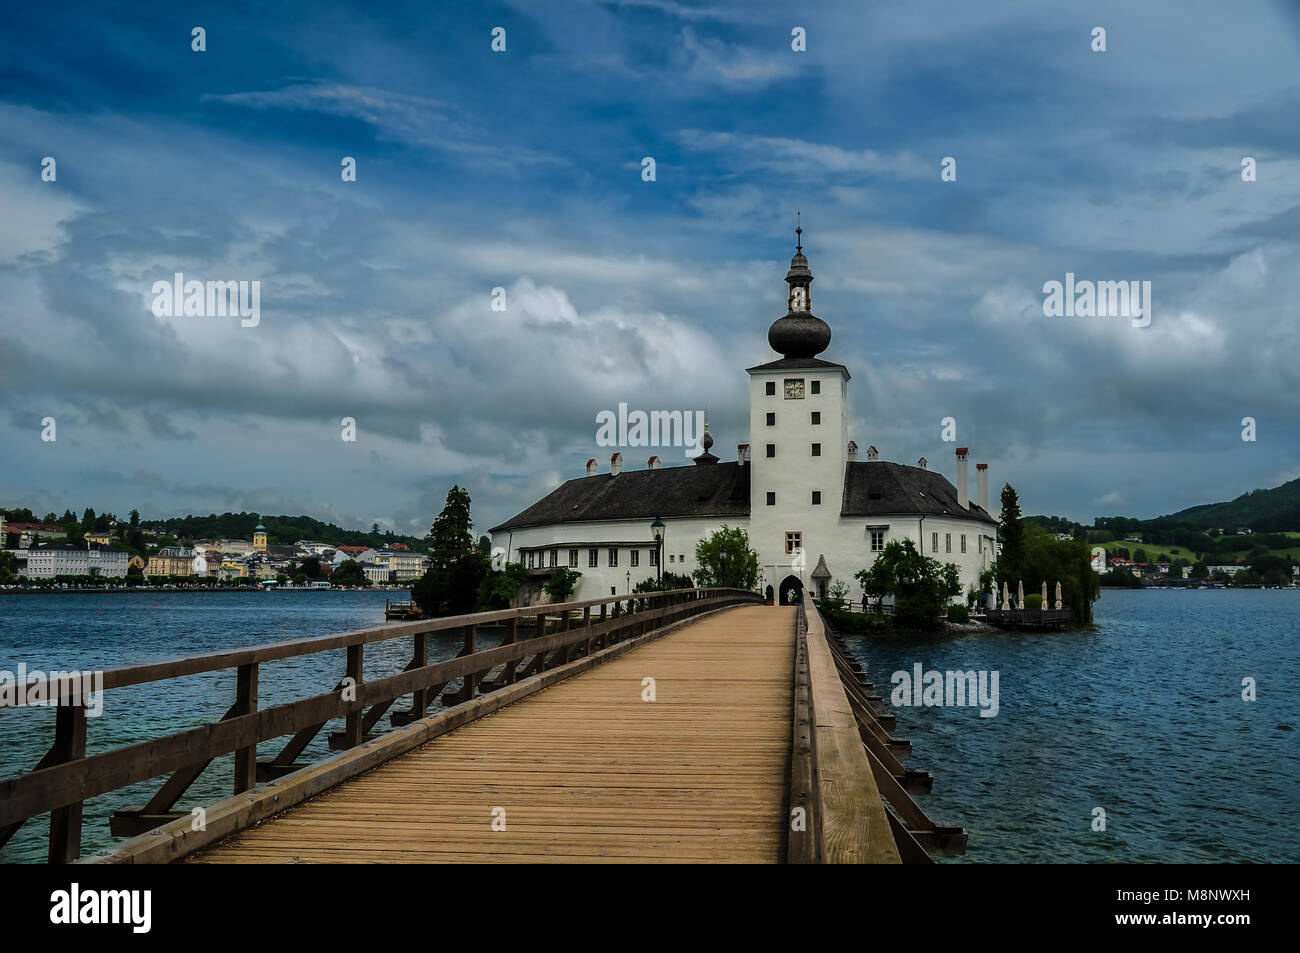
{"points": [[799, 299], [794, 388]]}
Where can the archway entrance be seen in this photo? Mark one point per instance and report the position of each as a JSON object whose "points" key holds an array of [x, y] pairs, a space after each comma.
{"points": [[790, 586]]}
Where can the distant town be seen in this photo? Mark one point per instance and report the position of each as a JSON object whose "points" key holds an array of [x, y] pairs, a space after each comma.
{"points": [[100, 550]]}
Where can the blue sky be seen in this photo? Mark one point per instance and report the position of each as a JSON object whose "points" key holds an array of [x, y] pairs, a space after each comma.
{"points": [[522, 170]]}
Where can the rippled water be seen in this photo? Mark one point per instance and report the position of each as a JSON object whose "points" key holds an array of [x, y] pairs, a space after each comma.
{"points": [[1141, 715], [88, 631]]}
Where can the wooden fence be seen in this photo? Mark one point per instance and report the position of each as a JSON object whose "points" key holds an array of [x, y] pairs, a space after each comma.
{"points": [[66, 777]]}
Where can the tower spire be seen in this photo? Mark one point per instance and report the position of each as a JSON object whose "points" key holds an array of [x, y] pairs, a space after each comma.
{"points": [[798, 232]]}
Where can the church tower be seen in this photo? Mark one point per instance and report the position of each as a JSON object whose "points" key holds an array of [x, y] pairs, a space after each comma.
{"points": [[259, 537], [798, 426]]}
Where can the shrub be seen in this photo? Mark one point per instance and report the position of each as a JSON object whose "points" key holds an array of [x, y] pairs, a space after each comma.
{"points": [[1033, 601], [958, 613]]}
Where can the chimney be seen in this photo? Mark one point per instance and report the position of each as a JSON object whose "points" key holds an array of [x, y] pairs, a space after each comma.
{"points": [[872, 453], [616, 464], [982, 485], [742, 453], [591, 467], [921, 463], [853, 450], [963, 487], [653, 463]]}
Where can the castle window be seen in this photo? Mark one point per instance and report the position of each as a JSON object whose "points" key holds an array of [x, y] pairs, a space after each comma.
{"points": [[593, 558], [816, 417], [573, 559], [816, 387], [817, 497], [635, 557], [771, 420], [793, 543], [771, 388], [613, 556], [877, 540], [963, 542], [530, 559], [672, 558], [934, 542], [555, 558], [771, 499], [817, 450], [771, 450], [654, 557], [947, 542]]}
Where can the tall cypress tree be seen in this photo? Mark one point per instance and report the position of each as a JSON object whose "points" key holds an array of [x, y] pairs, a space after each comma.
{"points": [[1011, 536]]}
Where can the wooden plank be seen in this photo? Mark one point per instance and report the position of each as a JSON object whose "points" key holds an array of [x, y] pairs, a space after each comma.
{"points": [[586, 771], [236, 813], [854, 826]]}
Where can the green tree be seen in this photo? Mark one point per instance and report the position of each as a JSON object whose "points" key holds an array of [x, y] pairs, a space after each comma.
{"points": [[1011, 533], [920, 585], [1048, 559], [456, 569], [349, 573], [499, 589], [671, 580], [726, 560], [562, 583]]}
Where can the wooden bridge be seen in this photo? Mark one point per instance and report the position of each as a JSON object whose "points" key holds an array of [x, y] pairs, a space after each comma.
{"points": [[685, 726]]}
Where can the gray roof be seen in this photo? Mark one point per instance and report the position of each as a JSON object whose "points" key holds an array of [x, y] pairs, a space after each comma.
{"points": [[799, 364], [721, 489], [876, 488], [871, 488]]}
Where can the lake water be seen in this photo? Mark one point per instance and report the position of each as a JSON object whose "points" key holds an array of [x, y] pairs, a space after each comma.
{"points": [[1140, 715]]}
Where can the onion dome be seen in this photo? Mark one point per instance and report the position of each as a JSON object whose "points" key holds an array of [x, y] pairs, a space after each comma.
{"points": [[800, 334], [707, 444]]}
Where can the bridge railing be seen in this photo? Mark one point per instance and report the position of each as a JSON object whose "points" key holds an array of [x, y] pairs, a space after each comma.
{"points": [[66, 777]]}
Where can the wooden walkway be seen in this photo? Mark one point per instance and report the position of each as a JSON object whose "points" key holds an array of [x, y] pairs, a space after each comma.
{"points": [[585, 771]]}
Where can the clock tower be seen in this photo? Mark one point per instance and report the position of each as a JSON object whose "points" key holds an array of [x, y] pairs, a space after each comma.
{"points": [[798, 409]]}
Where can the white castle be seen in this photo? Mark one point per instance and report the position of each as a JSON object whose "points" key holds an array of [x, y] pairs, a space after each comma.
{"points": [[814, 511]]}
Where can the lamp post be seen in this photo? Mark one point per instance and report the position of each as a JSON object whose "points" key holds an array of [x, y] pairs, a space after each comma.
{"points": [[657, 528]]}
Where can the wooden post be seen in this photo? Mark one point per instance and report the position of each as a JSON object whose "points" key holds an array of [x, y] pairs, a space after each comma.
{"points": [[471, 678], [419, 659], [246, 704], [69, 745], [352, 727], [509, 676]]}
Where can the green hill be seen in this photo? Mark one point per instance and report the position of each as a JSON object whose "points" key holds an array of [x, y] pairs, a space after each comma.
{"points": [[279, 529], [1272, 510]]}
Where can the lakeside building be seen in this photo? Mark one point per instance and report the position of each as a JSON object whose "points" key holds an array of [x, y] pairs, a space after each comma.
{"points": [[803, 495], [26, 535], [70, 559], [403, 565], [171, 561]]}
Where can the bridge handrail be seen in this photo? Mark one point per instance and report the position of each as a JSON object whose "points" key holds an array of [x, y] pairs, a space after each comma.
{"points": [[138, 674], [846, 820], [66, 776]]}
